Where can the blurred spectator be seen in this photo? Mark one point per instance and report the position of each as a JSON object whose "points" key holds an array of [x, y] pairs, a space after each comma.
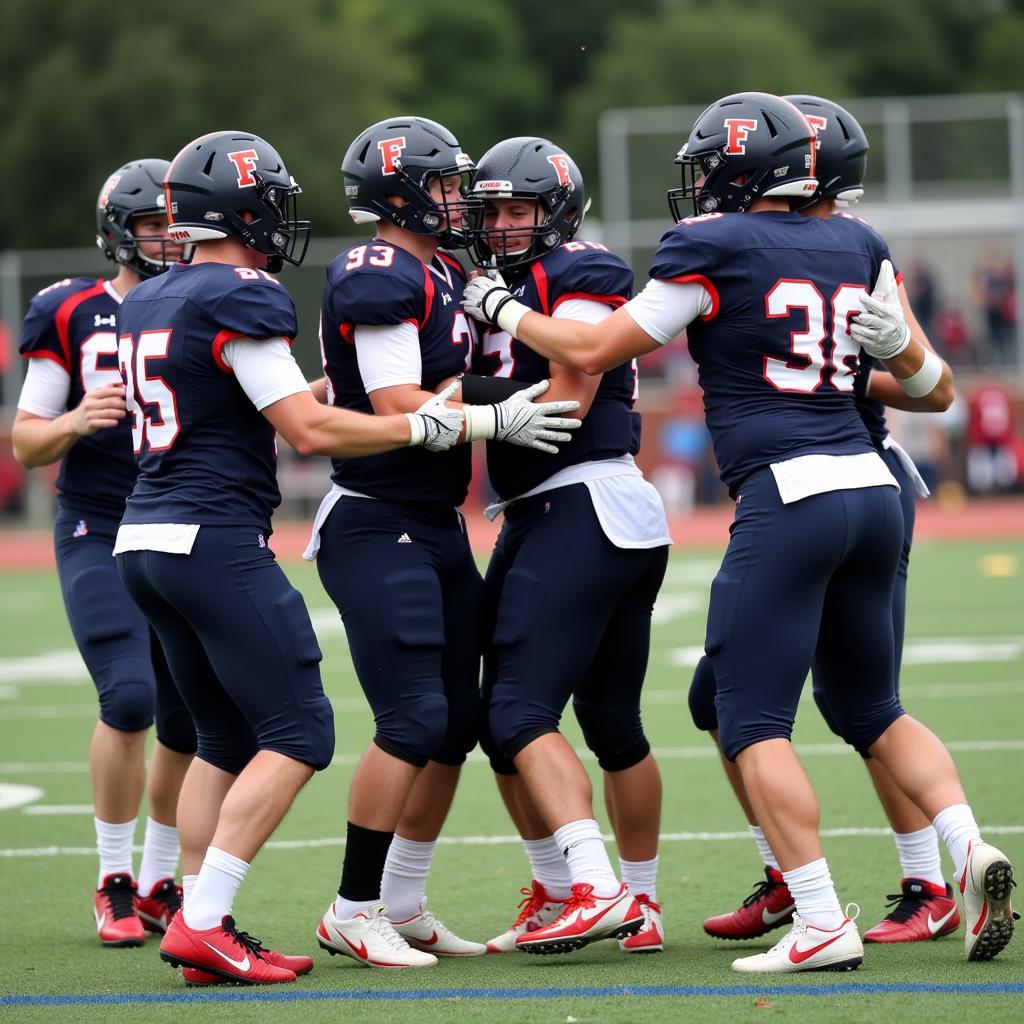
{"points": [[995, 293], [992, 441], [951, 338], [923, 294]]}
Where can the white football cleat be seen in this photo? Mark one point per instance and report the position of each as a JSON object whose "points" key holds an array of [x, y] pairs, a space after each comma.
{"points": [[535, 910], [651, 937], [806, 948], [370, 939], [425, 932], [585, 918], [985, 885]]}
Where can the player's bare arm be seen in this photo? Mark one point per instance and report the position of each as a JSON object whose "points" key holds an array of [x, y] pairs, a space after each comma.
{"points": [[38, 441], [315, 429], [589, 348], [883, 331], [885, 388]]}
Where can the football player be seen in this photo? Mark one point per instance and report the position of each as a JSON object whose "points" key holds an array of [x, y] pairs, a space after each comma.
{"points": [[588, 508], [777, 307], [390, 543], [70, 340], [204, 350], [925, 908]]}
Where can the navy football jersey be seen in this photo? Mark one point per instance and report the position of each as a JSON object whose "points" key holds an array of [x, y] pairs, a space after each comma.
{"points": [[576, 270], [74, 323], [206, 455], [775, 358], [871, 412], [378, 284]]}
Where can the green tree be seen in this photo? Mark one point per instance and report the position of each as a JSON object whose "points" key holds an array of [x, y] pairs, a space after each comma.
{"points": [[468, 67], [692, 54], [107, 83], [1000, 46]]}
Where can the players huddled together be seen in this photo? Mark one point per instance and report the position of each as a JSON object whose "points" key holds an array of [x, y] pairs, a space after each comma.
{"points": [[473, 312]]}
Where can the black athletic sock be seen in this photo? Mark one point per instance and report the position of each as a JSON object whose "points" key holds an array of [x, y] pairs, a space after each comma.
{"points": [[366, 850]]}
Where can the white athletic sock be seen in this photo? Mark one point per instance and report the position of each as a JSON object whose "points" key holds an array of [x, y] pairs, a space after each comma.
{"points": [[114, 844], [404, 883], [919, 855], [188, 884], [583, 849], [160, 851], [815, 895], [641, 877], [215, 889], [956, 827], [345, 910], [763, 848], [548, 866]]}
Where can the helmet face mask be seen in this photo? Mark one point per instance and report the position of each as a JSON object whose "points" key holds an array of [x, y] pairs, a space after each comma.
{"points": [[403, 158], [132, 193], [235, 185], [534, 171], [745, 147]]}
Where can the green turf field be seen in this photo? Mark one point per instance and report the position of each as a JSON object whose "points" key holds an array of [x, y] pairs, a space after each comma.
{"points": [[963, 675]]}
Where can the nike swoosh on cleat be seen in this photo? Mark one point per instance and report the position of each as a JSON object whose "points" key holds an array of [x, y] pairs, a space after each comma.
{"points": [[101, 920], [934, 926], [597, 917], [360, 950], [431, 940], [769, 918], [798, 956], [242, 965]]}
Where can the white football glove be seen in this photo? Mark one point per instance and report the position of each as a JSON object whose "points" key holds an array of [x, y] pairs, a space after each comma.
{"points": [[433, 425], [487, 298], [881, 329], [520, 421]]}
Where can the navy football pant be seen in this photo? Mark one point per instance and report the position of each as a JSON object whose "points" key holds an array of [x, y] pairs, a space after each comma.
{"points": [[571, 617], [810, 579], [116, 642], [240, 647], [702, 688], [411, 599]]}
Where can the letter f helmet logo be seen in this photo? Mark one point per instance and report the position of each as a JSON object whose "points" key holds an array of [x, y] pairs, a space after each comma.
{"points": [[738, 128], [390, 151], [245, 163]]}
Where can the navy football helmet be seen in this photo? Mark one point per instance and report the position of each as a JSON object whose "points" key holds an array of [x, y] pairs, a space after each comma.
{"points": [[134, 190], [400, 157], [842, 148], [744, 147], [219, 177], [537, 170]]}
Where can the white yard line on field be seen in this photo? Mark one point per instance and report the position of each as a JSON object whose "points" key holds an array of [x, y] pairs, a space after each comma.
{"points": [[666, 837]]}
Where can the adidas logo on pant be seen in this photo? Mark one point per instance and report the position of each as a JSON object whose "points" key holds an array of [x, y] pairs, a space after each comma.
{"points": [[405, 539]]}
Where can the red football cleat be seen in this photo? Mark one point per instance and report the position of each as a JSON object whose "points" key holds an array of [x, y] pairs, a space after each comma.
{"points": [[651, 937], [156, 910], [769, 906], [920, 911], [585, 918], [536, 909], [296, 964], [222, 950], [113, 906]]}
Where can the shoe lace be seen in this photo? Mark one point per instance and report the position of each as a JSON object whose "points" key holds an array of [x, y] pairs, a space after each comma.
{"points": [[169, 895], [120, 896], [244, 939], [380, 924], [904, 907], [532, 904], [581, 897], [761, 891]]}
